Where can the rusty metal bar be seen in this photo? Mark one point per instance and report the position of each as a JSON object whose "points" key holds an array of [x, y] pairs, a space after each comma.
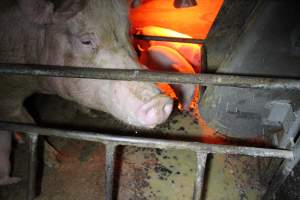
{"points": [[150, 76], [109, 170], [32, 166], [169, 39], [148, 142], [200, 171]]}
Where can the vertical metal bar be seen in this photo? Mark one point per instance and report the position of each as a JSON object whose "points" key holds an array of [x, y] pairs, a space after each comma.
{"points": [[109, 170], [283, 172], [198, 186], [32, 166]]}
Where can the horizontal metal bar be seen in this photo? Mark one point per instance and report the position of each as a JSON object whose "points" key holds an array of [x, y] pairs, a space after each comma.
{"points": [[148, 142], [150, 76], [169, 39]]}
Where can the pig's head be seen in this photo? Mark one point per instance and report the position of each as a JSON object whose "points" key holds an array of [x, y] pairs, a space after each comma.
{"points": [[95, 33]]}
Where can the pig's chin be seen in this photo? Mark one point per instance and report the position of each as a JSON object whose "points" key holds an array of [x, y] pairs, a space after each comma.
{"points": [[143, 126]]}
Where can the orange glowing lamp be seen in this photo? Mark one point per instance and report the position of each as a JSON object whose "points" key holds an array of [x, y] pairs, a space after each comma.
{"points": [[164, 18], [195, 21]]}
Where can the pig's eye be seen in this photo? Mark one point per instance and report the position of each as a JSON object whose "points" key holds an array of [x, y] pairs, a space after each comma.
{"points": [[90, 40], [86, 42]]}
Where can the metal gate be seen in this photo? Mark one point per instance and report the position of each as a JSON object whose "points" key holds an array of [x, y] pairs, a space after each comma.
{"points": [[291, 156]]}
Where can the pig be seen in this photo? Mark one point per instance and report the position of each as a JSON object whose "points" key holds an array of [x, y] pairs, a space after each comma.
{"points": [[73, 33]]}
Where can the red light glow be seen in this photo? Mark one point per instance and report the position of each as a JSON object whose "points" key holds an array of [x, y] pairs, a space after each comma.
{"points": [[195, 21], [160, 18]]}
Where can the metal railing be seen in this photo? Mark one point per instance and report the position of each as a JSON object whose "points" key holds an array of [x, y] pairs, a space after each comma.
{"points": [[204, 79], [111, 141]]}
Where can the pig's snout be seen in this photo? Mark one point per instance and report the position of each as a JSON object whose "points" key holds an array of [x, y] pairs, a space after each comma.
{"points": [[156, 111]]}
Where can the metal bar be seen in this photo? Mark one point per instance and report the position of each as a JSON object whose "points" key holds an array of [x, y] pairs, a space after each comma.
{"points": [[150, 76], [169, 39], [109, 170], [32, 166], [149, 142], [283, 172], [201, 164]]}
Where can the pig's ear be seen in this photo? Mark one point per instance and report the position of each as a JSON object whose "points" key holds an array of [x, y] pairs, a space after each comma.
{"points": [[44, 12]]}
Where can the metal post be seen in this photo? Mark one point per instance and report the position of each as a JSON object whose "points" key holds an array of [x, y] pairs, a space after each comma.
{"points": [[32, 166], [198, 186], [109, 170], [283, 172]]}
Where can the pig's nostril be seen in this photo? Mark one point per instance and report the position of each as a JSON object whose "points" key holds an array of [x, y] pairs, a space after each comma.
{"points": [[168, 108], [155, 112]]}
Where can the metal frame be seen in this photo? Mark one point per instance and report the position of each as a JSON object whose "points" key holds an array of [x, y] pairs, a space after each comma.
{"points": [[111, 142]]}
